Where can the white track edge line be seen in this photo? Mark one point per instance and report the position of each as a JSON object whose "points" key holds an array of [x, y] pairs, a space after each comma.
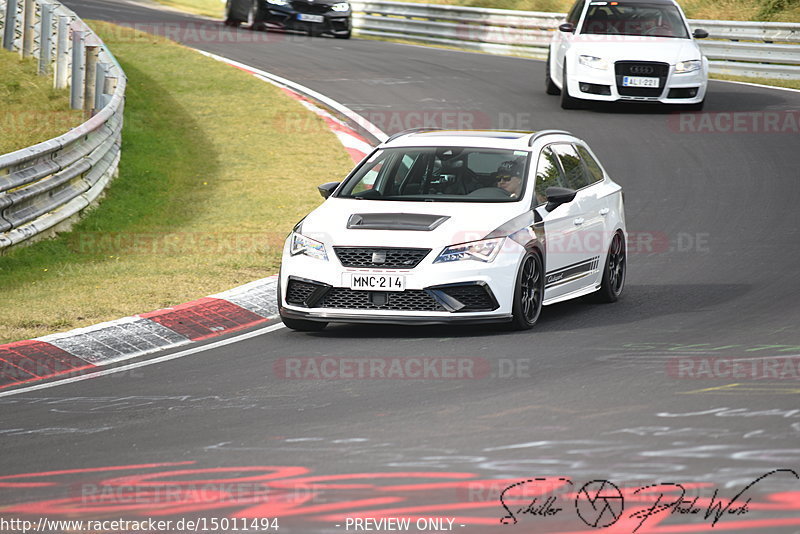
{"points": [[144, 363]]}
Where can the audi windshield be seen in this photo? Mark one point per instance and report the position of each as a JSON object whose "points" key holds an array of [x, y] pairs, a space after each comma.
{"points": [[440, 174], [648, 20]]}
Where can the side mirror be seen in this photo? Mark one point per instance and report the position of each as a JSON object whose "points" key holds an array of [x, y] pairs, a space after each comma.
{"points": [[567, 27], [700, 34], [327, 190], [557, 196]]}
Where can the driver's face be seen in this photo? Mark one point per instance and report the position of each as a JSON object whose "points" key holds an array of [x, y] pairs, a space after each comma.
{"points": [[510, 184]]}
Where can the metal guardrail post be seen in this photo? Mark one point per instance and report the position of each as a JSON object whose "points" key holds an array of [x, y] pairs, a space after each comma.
{"points": [[28, 27], [62, 53], [76, 83], [10, 24], [90, 79], [46, 38], [100, 86]]}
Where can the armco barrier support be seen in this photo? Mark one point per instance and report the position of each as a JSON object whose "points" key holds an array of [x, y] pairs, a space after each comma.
{"points": [[762, 49], [44, 186]]}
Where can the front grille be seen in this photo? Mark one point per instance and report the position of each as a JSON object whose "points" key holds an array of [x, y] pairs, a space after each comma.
{"points": [[409, 300], [635, 68], [298, 292], [474, 297], [310, 7], [393, 258]]}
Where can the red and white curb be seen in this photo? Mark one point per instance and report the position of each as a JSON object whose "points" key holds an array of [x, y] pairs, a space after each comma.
{"points": [[80, 353], [84, 350]]}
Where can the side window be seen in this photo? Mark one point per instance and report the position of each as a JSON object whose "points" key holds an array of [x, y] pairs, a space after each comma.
{"points": [[548, 174], [595, 172], [575, 13], [574, 174]]}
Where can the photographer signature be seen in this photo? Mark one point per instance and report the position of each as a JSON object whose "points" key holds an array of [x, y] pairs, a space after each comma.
{"points": [[600, 503]]}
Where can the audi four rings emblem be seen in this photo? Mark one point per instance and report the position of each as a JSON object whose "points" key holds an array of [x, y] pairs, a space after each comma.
{"points": [[642, 69]]}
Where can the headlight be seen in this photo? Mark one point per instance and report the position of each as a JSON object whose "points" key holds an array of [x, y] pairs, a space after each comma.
{"points": [[278, 2], [593, 62], [688, 66], [341, 6], [305, 245], [484, 251]]}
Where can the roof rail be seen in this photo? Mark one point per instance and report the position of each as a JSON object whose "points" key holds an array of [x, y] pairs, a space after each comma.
{"points": [[410, 131], [543, 133]]}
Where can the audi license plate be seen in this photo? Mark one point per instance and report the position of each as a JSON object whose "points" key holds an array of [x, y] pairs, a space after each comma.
{"points": [[376, 282], [639, 81], [310, 18]]}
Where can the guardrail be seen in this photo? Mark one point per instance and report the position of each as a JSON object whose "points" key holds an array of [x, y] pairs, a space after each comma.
{"points": [[761, 49], [46, 186]]}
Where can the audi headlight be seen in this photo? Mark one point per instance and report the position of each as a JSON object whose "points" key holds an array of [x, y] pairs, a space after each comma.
{"points": [[278, 2], [310, 247], [340, 6], [485, 251], [593, 62], [688, 66]]}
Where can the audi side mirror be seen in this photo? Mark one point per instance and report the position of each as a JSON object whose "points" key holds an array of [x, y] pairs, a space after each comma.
{"points": [[327, 190], [557, 196], [567, 27], [700, 34]]}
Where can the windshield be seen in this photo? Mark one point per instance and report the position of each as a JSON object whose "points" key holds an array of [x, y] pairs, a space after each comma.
{"points": [[651, 20], [440, 174]]}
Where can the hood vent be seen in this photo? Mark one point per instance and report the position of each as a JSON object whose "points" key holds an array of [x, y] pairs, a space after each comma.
{"points": [[418, 222]]}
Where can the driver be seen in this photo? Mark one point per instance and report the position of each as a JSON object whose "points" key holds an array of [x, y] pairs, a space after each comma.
{"points": [[509, 177]]}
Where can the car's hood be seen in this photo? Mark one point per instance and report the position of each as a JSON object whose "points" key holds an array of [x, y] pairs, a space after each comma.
{"points": [[348, 222], [634, 48]]}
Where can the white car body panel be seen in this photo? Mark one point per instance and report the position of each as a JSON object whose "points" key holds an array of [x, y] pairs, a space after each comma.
{"points": [[468, 221]]}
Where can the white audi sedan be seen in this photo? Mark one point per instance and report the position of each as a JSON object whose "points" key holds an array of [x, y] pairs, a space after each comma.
{"points": [[442, 226], [630, 50]]}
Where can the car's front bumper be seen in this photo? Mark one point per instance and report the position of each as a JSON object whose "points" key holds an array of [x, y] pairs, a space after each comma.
{"points": [[589, 83], [428, 297], [288, 18]]}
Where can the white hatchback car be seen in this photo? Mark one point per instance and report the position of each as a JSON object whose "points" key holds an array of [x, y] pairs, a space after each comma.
{"points": [[630, 50], [457, 227]]}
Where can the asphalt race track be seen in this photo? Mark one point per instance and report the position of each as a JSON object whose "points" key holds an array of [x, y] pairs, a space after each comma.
{"points": [[594, 392]]}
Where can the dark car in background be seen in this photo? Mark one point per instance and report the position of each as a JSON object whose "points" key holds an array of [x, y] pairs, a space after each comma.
{"points": [[314, 17]]}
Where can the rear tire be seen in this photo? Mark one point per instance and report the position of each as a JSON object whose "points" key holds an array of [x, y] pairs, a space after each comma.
{"points": [[550, 87], [614, 272], [567, 102], [528, 293], [255, 16]]}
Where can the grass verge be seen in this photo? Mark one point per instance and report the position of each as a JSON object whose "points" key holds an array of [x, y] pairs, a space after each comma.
{"points": [[775, 82], [31, 111], [216, 168]]}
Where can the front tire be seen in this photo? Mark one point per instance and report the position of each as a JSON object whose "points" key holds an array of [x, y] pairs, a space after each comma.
{"points": [[567, 102], [696, 107], [528, 293], [342, 35], [614, 272], [549, 86], [230, 20]]}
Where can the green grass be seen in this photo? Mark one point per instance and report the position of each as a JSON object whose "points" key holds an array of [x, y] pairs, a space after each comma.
{"points": [[208, 8], [209, 186], [29, 106]]}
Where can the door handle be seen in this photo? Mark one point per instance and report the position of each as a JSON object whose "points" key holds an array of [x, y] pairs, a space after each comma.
{"points": [[578, 221], [604, 211]]}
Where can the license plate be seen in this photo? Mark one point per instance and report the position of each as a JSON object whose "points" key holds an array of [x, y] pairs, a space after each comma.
{"points": [[377, 282], [310, 18], [639, 81]]}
